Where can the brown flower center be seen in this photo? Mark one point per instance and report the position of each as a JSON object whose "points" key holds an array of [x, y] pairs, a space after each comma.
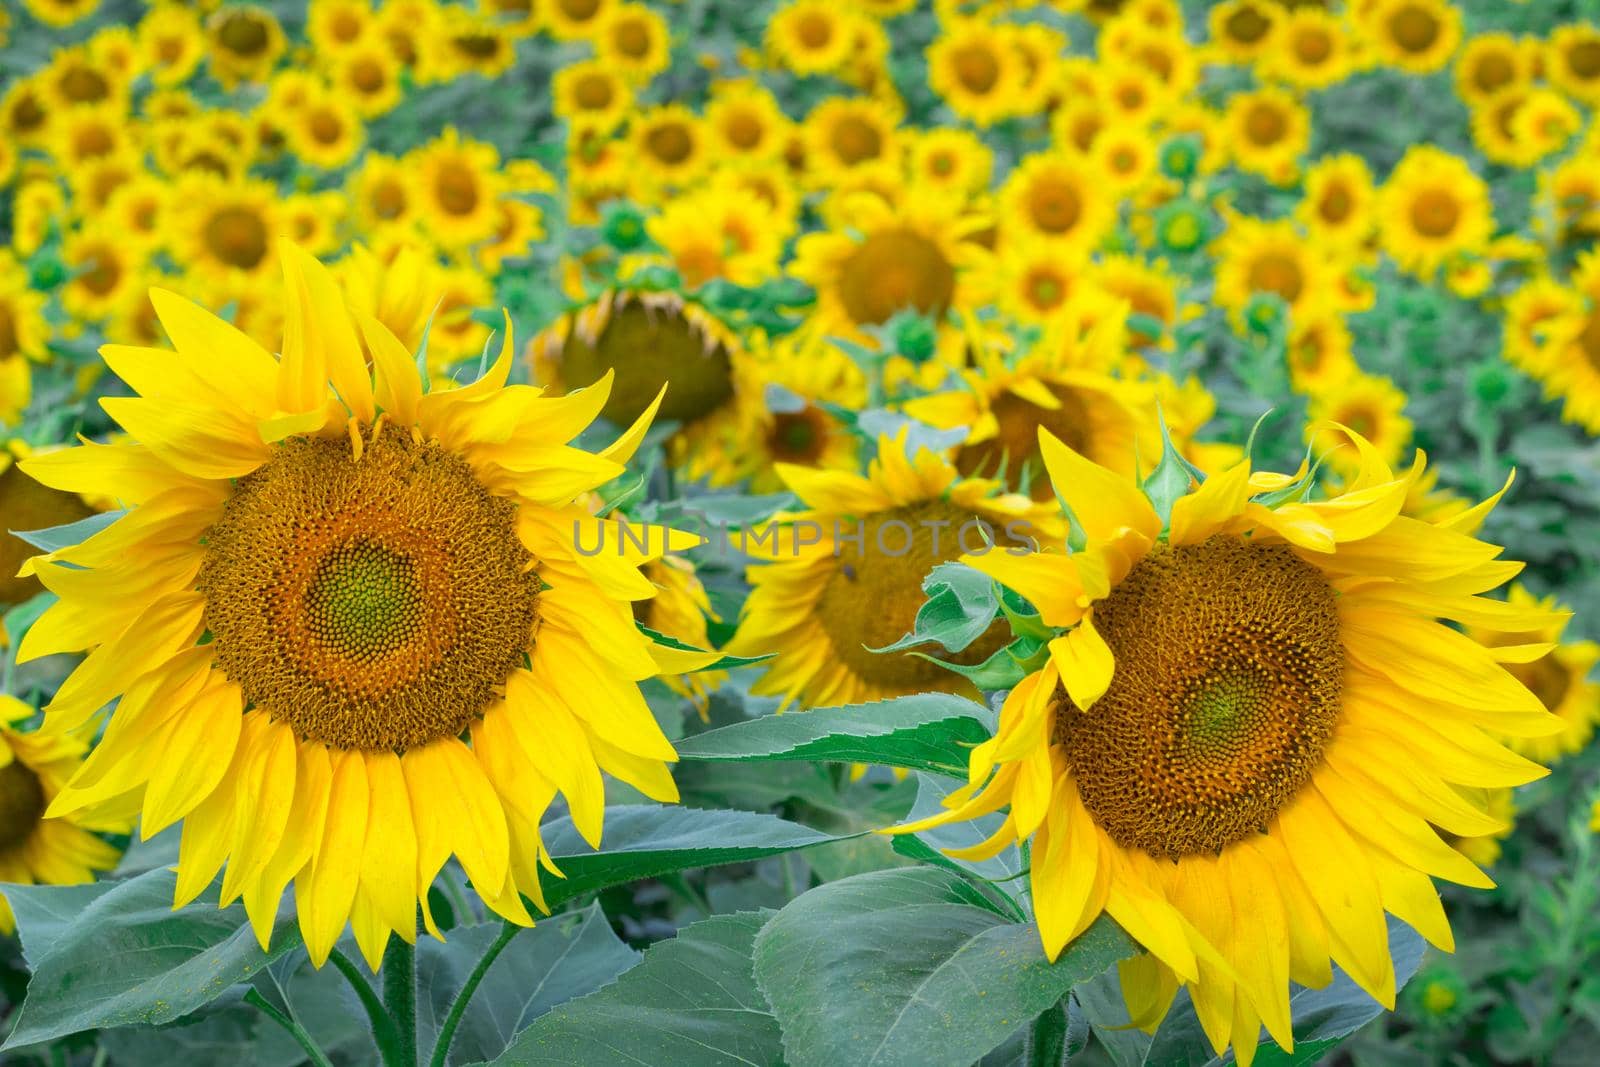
{"points": [[892, 270]]}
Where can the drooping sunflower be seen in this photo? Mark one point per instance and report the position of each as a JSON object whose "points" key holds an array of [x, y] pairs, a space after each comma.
{"points": [[1417, 36], [406, 657], [246, 42], [844, 576], [1245, 729], [1554, 670], [1004, 407], [1057, 198], [883, 258], [1433, 207], [33, 849]]}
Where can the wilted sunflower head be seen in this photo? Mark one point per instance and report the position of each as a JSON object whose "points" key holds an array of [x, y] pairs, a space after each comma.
{"points": [[1209, 753], [339, 595]]}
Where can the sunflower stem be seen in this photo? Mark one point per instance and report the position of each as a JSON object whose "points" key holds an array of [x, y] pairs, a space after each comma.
{"points": [[384, 1034], [458, 1007], [400, 999], [1047, 1038], [296, 1031]]}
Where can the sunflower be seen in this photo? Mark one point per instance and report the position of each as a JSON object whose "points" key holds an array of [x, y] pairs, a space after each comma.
{"points": [[949, 159], [61, 12], [381, 193], [34, 849], [1243, 30], [336, 26], [471, 43], [171, 42], [406, 27], [1217, 733], [718, 233], [1314, 50], [521, 224], [1338, 203], [246, 43], [1149, 289], [572, 20], [1319, 351], [811, 36], [1038, 49], [399, 290], [1125, 157], [1058, 198], [104, 266], [1132, 96], [1555, 671], [1433, 207], [1037, 282], [228, 229], [1490, 63], [1417, 36], [669, 144], [447, 662], [27, 505], [1572, 188], [1256, 257], [885, 258], [852, 138], [326, 132], [1494, 128], [633, 40], [975, 67], [74, 76], [786, 418], [1077, 122], [1572, 61], [1003, 408], [592, 94], [1561, 348], [368, 76], [456, 183], [36, 210], [645, 341], [1544, 124], [1372, 408], [745, 121], [1484, 849], [25, 112], [1268, 130], [16, 387], [823, 606]]}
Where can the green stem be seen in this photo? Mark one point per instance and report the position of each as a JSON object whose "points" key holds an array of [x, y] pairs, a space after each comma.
{"points": [[384, 1035], [458, 1007], [296, 1031], [399, 974], [1047, 1039]]}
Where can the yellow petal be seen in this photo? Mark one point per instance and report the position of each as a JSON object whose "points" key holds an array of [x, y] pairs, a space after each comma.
{"points": [[1084, 661]]}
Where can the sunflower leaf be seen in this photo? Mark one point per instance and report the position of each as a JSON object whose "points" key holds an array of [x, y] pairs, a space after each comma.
{"points": [[723, 664], [692, 1001], [907, 966], [55, 538], [925, 732], [961, 605], [117, 954]]}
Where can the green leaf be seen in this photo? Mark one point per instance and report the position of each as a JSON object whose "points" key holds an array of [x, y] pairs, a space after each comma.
{"points": [[960, 607], [124, 957], [724, 664], [647, 840], [928, 845], [691, 1001], [926, 732], [907, 967], [562, 957], [56, 538]]}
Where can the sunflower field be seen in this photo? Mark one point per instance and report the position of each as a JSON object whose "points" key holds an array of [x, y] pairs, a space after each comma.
{"points": [[799, 532]]}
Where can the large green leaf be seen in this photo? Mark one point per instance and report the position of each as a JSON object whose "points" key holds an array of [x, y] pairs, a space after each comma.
{"points": [[562, 957], [910, 966], [647, 840], [691, 1002], [929, 732], [123, 956]]}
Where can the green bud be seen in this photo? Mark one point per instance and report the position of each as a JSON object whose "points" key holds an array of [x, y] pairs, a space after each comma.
{"points": [[623, 227], [1180, 158]]}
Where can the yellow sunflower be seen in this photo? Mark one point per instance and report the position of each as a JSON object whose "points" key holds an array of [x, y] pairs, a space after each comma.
{"points": [[680, 610], [852, 138], [745, 121], [23, 333], [1433, 207], [1004, 407], [572, 20], [441, 663], [1125, 157], [104, 267], [1339, 199], [171, 42], [950, 159], [634, 40], [1557, 336], [399, 291], [1211, 754], [1490, 63], [25, 112], [326, 131], [1373, 409], [975, 67], [228, 229], [844, 576], [1314, 50], [811, 36], [456, 182], [521, 224], [61, 12], [246, 43], [718, 233], [381, 193], [1494, 128], [33, 849], [335, 26], [1555, 671], [669, 143], [1319, 352], [1544, 124], [1417, 36], [1242, 30], [885, 258], [1268, 130], [1038, 283], [1057, 198], [368, 76], [1149, 289], [1572, 60], [471, 43], [591, 93], [1270, 257]]}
